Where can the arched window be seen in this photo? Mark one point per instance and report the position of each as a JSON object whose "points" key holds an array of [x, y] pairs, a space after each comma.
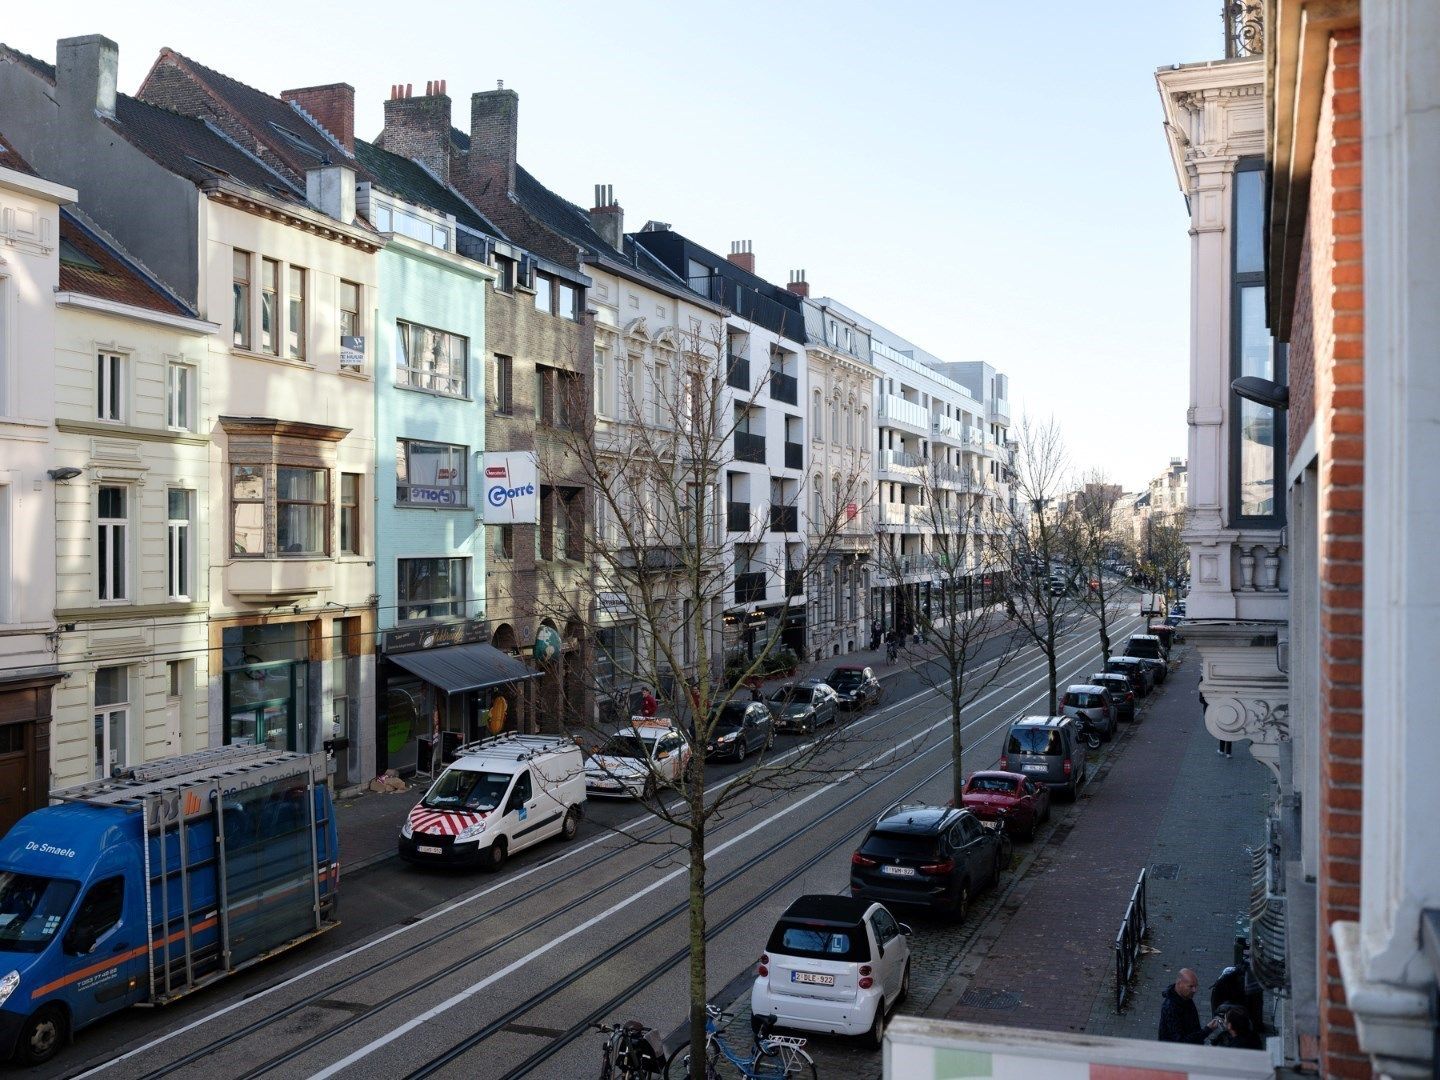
{"points": [[864, 423], [849, 427], [817, 499], [816, 430], [834, 422]]}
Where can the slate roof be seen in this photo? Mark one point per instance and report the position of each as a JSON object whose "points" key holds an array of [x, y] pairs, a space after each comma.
{"points": [[39, 67], [412, 182], [93, 263], [10, 158]]}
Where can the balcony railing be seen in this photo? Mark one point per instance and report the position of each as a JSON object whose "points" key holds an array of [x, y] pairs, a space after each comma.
{"points": [[899, 459], [794, 455], [784, 388], [750, 447], [900, 411], [794, 583], [947, 426], [999, 411], [1244, 28], [737, 517], [784, 519], [901, 514], [738, 373], [750, 588]]}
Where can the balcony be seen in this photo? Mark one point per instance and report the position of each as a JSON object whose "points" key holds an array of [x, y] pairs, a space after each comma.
{"points": [[794, 583], [901, 514], [738, 373], [784, 388], [947, 427], [750, 447], [893, 460], [750, 588], [737, 517], [794, 455], [271, 580], [974, 439], [999, 411], [902, 413], [784, 519]]}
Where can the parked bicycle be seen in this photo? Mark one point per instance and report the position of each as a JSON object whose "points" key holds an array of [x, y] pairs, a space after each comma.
{"points": [[892, 650], [631, 1052], [771, 1056]]}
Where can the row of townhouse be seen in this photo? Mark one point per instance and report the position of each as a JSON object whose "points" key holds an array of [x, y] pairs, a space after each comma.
{"points": [[258, 375]]}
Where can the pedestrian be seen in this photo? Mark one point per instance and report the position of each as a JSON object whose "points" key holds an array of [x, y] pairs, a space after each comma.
{"points": [[1179, 1019], [1239, 1033], [754, 683], [1224, 747], [1227, 991], [648, 704], [877, 632]]}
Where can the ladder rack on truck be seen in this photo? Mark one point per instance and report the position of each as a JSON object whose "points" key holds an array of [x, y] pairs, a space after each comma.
{"points": [[238, 845], [523, 747]]}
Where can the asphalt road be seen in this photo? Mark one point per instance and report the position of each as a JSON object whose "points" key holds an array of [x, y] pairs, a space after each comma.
{"points": [[497, 975]]}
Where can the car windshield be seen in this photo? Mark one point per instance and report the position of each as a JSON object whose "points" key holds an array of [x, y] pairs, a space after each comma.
{"points": [[1034, 741], [32, 909], [1084, 700], [796, 697], [998, 785], [844, 680], [898, 845], [819, 941], [467, 789], [623, 745], [727, 719]]}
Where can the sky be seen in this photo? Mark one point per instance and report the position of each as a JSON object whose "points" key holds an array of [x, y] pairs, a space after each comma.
{"points": [[990, 181]]}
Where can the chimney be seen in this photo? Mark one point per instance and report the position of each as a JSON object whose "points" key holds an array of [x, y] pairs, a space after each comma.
{"points": [[741, 255], [494, 128], [85, 73], [798, 285], [419, 127], [332, 107], [331, 190], [607, 218]]}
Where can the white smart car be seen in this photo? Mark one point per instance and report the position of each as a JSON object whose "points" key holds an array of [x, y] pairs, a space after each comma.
{"points": [[637, 759], [833, 964]]}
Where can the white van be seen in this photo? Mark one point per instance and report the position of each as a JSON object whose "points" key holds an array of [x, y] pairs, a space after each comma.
{"points": [[499, 796]]}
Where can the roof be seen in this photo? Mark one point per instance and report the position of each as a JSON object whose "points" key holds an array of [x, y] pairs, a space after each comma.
{"points": [[999, 773], [460, 668], [1041, 721], [10, 158], [413, 182], [829, 908], [93, 263], [916, 819], [38, 66], [1083, 687]]}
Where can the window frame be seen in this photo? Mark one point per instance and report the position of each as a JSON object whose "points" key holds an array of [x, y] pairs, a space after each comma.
{"points": [[408, 376], [504, 385], [296, 309], [270, 289], [111, 385], [177, 403], [113, 533], [544, 285], [179, 546], [602, 407], [262, 502], [324, 502], [350, 512], [242, 329], [458, 453], [459, 601], [104, 717]]}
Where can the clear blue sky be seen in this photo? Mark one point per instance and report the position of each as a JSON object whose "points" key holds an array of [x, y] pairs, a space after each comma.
{"points": [[989, 180]]}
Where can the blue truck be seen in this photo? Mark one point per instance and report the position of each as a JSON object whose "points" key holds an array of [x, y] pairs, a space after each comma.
{"points": [[162, 879]]}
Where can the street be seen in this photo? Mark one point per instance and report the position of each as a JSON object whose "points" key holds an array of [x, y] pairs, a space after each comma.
{"points": [[469, 974]]}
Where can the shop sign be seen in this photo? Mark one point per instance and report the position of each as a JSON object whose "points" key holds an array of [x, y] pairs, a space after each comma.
{"points": [[352, 352], [432, 637], [436, 496], [512, 488]]}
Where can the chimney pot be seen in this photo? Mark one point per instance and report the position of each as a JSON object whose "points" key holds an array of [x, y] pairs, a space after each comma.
{"points": [[419, 129], [86, 70], [741, 255], [332, 107]]}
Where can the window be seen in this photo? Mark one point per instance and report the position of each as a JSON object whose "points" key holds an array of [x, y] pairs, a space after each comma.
{"points": [[247, 510], [430, 474], [834, 422], [602, 403], [349, 513], [295, 323], [111, 551], [504, 385], [301, 506], [849, 427], [567, 300], [349, 309], [625, 388], [269, 309], [180, 397], [428, 359], [663, 416], [240, 319], [502, 541], [543, 292], [180, 555], [432, 588], [506, 268], [817, 429], [544, 395], [110, 387], [112, 715], [97, 915]]}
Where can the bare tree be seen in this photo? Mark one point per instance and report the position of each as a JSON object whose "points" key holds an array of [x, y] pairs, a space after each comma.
{"points": [[1162, 555], [674, 560], [964, 566], [1038, 550], [1091, 540]]}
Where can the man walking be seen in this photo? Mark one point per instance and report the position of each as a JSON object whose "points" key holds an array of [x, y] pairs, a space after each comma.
{"points": [[1179, 1019]]}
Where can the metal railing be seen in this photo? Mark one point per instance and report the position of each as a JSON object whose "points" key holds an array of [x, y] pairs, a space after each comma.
{"points": [[784, 387], [750, 447], [784, 519], [737, 517], [750, 588], [738, 373], [794, 455], [1133, 929]]}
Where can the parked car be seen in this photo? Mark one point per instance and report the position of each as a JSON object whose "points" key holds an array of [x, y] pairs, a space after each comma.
{"points": [[1165, 632], [637, 759], [1121, 692], [1141, 677], [1091, 701], [803, 706], [833, 964], [936, 857], [1047, 750], [855, 686], [1147, 647], [1012, 798], [739, 728]]}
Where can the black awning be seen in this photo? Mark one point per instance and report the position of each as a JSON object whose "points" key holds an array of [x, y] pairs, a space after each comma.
{"points": [[458, 668]]}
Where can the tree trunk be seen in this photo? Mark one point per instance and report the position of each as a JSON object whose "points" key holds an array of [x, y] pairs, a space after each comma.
{"points": [[957, 743], [698, 996]]}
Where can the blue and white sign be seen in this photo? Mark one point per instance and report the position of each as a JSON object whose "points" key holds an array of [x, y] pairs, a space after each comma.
{"points": [[512, 488]]}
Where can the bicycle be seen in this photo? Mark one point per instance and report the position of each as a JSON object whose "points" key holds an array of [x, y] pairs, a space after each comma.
{"points": [[771, 1056], [892, 651], [629, 1053]]}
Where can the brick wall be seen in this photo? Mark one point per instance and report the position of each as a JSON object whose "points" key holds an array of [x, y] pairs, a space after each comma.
{"points": [[332, 107], [1327, 371]]}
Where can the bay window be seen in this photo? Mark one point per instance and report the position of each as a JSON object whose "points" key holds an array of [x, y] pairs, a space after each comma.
{"points": [[302, 511]]}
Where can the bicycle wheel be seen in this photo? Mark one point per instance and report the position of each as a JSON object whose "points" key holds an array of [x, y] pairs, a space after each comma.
{"points": [[677, 1067], [785, 1061]]}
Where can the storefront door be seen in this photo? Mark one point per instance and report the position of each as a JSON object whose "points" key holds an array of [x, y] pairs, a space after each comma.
{"points": [[14, 775]]}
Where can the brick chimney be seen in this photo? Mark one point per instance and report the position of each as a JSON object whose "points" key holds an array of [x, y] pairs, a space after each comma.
{"points": [[798, 285], [741, 255], [332, 107], [419, 127], [85, 74], [607, 218], [494, 130]]}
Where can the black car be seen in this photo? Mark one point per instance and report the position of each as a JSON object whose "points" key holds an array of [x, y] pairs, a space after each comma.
{"points": [[855, 686], [1121, 692], [936, 857], [738, 729], [803, 706], [1140, 676]]}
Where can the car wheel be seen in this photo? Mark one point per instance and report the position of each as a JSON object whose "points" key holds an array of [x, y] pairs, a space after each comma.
{"points": [[41, 1036], [962, 902], [649, 790], [570, 827], [742, 749], [495, 859], [876, 1038], [770, 739], [1070, 791], [1109, 732]]}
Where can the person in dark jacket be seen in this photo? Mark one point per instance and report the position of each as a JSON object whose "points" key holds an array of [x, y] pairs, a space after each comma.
{"points": [[1179, 1019], [1239, 1033], [1227, 990]]}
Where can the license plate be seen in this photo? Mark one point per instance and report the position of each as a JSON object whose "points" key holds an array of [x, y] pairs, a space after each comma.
{"points": [[1034, 768], [811, 978], [429, 850], [898, 871]]}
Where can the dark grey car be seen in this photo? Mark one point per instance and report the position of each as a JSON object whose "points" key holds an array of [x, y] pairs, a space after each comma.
{"points": [[937, 857], [738, 729], [803, 706], [1045, 749]]}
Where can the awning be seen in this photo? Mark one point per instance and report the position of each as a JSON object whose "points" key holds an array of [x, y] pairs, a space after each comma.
{"points": [[458, 668]]}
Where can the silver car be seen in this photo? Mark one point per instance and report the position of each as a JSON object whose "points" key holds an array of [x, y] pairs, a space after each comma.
{"points": [[1092, 702]]}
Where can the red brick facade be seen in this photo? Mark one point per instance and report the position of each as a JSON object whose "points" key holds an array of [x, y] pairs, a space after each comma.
{"points": [[1327, 388]]}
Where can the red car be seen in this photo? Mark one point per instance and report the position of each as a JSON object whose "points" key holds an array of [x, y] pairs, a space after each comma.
{"points": [[1025, 804]]}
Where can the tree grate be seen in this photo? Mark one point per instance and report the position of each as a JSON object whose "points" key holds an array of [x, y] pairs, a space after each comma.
{"points": [[982, 998], [1166, 871]]}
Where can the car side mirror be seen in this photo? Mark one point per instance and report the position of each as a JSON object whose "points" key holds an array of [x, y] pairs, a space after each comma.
{"points": [[905, 929]]}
